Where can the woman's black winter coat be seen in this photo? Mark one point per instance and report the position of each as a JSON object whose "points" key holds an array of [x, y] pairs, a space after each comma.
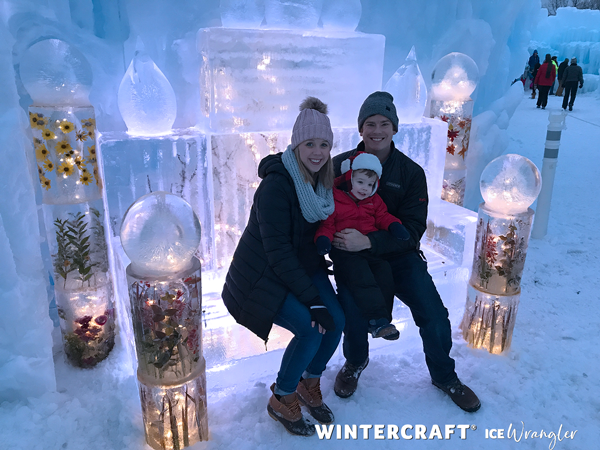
{"points": [[275, 255]]}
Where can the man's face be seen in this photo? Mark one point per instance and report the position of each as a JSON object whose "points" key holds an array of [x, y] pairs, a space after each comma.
{"points": [[377, 133], [362, 185]]}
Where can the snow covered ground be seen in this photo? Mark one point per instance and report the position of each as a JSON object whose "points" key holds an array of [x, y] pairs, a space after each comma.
{"points": [[548, 381]]}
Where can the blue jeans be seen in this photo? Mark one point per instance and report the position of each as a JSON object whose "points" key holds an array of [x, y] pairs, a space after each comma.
{"points": [[414, 287], [308, 351]]}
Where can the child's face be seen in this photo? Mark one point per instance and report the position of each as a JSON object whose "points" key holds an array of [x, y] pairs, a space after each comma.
{"points": [[362, 185]]}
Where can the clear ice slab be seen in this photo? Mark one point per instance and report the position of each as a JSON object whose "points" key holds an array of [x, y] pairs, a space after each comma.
{"points": [[254, 80]]}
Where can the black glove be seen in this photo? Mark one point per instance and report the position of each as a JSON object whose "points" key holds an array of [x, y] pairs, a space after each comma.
{"points": [[323, 245], [399, 231], [320, 315], [581, 86]]}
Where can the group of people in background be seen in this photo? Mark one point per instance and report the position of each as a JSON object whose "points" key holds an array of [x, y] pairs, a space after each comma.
{"points": [[543, 77]]}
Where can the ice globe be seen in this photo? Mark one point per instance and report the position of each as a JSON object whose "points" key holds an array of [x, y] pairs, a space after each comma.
{"points": [[160, 234], [510, 184], [56, 74], [454, 77]]}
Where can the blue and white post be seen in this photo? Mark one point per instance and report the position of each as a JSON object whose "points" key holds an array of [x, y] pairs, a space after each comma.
{"points": [[555, 127]]}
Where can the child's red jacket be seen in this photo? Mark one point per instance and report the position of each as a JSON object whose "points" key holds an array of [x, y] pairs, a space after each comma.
{"points": [[366, 216]]}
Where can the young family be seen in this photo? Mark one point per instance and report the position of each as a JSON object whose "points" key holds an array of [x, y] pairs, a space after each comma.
{"points": [[367, 208]]}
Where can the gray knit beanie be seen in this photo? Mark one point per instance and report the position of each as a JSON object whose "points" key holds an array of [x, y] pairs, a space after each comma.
{"points": [[312, 122], [378, 103]]}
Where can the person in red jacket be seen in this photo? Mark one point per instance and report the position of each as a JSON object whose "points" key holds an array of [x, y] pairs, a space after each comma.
{"points": [[544, 80], [369, 278]]}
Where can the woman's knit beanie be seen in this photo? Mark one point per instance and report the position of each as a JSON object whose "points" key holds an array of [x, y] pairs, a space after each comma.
{"points": [[312, 122]]}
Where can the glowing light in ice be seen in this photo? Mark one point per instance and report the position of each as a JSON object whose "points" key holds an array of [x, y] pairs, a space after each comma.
{"points": [[454, 77]]}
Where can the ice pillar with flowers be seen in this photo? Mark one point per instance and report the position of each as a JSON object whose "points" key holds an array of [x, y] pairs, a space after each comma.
{"points": [[509, 185], [58, 77], [160, 234], [454, 79]]}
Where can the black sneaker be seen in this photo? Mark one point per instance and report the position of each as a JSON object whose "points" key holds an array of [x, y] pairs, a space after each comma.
{"points": [[460, 394], [570, 108], [346, 380]]}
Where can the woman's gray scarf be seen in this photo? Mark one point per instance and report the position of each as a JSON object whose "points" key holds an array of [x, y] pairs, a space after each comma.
{"points": [[315, 205]]}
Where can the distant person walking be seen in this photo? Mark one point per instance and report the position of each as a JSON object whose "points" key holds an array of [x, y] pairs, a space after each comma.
{"points": [[544, 79], [572, 76], [533, 63], [561, 70], [554, 58], [534, 59], [533, 75]]}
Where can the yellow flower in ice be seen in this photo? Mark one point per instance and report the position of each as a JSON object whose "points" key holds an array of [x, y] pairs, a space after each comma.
{"points": [[48, 165], [80, 162], [91, 134], [37, 120], [85, 178], [45, 183], [63, 147], [40, 172], [66, 126], [47, 134], [81, 135], [89, 124], [41, 153], [66, 168], [92, 150]]}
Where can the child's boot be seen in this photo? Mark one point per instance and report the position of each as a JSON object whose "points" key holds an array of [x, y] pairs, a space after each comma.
{"points": [[382, 328]]}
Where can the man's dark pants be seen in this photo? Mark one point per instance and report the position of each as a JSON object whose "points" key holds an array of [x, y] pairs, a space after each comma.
{"points": [[570, 92], [414, 287]]}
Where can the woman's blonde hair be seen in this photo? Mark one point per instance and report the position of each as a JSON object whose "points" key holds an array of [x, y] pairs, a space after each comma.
{"points": [[324, 175]]}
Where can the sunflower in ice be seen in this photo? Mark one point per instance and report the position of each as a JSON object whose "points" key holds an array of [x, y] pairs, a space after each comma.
{"points": [[63, 147], [41, 153], [48, 165], [66, 168], [91, 134], [37, 120], [45, 183], [89, 124], [80, 162], [47, 134], [81, 135], [85, 178], [66, 126]]}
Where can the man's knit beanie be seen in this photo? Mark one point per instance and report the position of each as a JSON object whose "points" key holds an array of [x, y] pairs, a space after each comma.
{"points": [[573, 60], [378, 103], [312, 122]]}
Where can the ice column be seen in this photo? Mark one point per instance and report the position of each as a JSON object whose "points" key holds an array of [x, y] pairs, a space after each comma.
{"points": [[160, 234], [454, 79], [509, 185], [57, 77]]}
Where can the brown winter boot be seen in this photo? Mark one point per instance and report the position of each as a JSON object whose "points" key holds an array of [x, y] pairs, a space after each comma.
{"points": [[309, 394], [286, 410]]}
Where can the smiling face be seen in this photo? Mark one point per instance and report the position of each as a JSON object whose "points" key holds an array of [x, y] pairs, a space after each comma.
{"points": [[377, 133], [314, 153], [362, 185]]}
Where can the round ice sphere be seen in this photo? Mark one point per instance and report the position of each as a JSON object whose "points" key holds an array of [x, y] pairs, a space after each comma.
{"points": [[56, 74], [160, 233], [510, 184], [454, 77]]}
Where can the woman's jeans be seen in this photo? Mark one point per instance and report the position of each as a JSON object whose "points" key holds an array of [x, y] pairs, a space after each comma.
{"points": [[308, 351]]}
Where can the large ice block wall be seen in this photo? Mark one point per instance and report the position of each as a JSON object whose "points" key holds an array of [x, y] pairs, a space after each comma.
{"points": [[254, 80]]}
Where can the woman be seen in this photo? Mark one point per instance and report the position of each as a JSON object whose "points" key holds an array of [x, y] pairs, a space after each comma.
{"points": [[277, 276], [544, 79]]}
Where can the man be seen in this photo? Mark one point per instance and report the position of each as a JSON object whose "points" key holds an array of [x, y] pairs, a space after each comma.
{"points": [[403, 188], [561, 70], [572, 76]]}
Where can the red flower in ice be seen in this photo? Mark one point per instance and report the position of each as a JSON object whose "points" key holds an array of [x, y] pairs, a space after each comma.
{"points": [[84, 321], [462, 123], [452, 134], [444, 118], [192, 340], [490, 250], [101, 320], [450, 149]]}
